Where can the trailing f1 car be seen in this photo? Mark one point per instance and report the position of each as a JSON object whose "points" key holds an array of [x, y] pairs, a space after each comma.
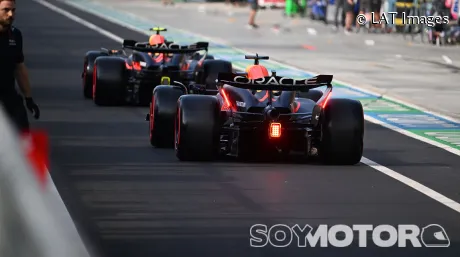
{"points": [[257, 115], [111, 77]]}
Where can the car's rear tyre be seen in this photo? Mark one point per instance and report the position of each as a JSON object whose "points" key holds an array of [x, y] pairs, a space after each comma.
{"points": [[87, 75], [342, 129], [110, 79], [212, 68], [163, 115], [197, 128]]}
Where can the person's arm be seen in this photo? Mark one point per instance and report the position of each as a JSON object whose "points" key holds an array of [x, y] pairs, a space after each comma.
{"points": [[22, 76]]}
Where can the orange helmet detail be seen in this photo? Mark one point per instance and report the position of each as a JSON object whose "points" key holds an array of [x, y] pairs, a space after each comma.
{"points": [[156, 39], [256, 72]]}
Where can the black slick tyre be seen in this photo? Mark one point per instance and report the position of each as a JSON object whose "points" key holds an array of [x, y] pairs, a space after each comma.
{"points": [[197, 128], [342, 129], [110, 79], [87, 74], [163, 115]]}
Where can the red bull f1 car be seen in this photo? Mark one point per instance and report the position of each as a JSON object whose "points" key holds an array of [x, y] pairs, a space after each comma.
{"points": [[256, 114], [112, 77]]}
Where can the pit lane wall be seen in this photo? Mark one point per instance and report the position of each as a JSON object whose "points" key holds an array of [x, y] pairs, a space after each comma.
{"points": [[31, 222]]}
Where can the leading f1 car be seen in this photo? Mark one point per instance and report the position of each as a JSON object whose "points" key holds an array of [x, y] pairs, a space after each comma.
{"points": [[112, 77], [257, 114]]}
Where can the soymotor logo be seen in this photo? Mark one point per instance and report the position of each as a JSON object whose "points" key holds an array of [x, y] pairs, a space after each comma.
{"points": [[281, 235]]}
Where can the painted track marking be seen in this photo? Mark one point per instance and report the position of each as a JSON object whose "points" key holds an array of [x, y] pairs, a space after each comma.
{"points": [[447, 59], [387, 171]]}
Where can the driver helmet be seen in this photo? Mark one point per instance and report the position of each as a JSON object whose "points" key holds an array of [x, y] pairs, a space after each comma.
{"points": [[156, 40], [256, 71]]}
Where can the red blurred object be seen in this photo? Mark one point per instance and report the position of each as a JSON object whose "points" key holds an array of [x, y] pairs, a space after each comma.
{"points": [[323, 103], [226, 105], [36, 150]]}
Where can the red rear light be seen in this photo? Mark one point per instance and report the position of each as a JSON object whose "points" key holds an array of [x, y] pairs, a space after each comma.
{"points": [[328, 96], [275, 130], [226, 105]]}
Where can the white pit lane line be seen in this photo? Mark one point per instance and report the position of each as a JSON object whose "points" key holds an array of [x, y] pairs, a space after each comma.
{"points": [[387, 171], [447, 59]]}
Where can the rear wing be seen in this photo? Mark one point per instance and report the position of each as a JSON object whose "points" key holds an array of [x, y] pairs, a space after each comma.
{"points": [[274, 83], [167, 47]]}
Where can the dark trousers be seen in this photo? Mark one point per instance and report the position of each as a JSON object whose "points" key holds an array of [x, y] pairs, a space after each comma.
{"points": [[14, 107], [339, 10]]}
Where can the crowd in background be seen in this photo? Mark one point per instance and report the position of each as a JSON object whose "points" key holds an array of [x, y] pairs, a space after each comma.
{"points": [[345, 13]]}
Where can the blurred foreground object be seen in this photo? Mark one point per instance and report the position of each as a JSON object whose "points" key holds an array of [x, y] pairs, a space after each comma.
{"points": [[31, 224], [35, 147]]}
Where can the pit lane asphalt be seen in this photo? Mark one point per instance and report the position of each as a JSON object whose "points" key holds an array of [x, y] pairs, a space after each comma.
{"points": [[133, 200]]}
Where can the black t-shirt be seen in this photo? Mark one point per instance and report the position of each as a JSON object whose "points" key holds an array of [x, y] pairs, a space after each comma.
{"points": [[10, 55]]}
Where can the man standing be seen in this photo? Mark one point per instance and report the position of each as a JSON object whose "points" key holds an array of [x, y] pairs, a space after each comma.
{"points": [[367, 7], [12, 68], [254, 4], [339, 10], [375, 7], [349, 6]]}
